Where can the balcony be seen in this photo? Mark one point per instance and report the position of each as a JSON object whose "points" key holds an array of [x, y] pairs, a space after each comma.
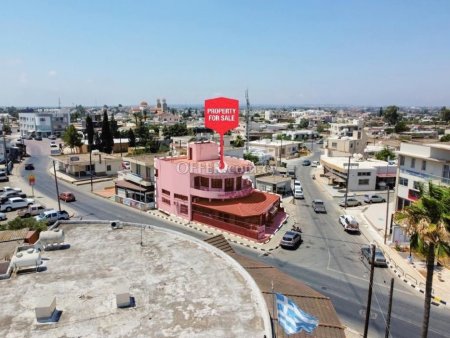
{"points": [[425, 176], [218, 193]]}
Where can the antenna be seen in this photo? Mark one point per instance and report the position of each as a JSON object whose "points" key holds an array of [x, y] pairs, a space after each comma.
{"points": [[247, 122], [59, 102]]}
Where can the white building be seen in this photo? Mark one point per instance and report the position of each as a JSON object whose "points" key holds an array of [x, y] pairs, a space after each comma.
{"points": [[287, 149], [420, 163], [365, 175], [346, 139], [44, 122]]}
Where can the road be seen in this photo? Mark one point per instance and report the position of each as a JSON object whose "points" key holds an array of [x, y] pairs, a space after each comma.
{"points": [[328, 259]]}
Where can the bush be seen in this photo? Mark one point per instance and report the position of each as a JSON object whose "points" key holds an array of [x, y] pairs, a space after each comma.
{"points": [[22, 223]]}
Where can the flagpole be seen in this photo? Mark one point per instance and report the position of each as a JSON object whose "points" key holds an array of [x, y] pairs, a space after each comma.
{"points": [[273, 312]]}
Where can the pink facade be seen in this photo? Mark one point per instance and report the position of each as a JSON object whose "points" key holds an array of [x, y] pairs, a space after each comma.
{"points": [[193, 187]]}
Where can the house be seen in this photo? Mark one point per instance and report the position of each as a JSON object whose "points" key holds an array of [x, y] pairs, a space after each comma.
{"points": [[346, 138], [79, 165], [194, 188]]}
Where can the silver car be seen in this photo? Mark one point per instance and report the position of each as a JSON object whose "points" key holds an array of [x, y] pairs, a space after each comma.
{"points": [[351, 202], [374, 199], [291, 240]]}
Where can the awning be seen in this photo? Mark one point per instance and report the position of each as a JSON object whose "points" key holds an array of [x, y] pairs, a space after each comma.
{"points": [[336, 178], [386, 174], [131, 186]]}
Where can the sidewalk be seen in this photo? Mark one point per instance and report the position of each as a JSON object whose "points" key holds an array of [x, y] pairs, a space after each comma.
{"points": [[411, 274]]}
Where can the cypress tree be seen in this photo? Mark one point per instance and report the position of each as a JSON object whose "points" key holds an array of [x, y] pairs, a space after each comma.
{"points": [[107, 137]]}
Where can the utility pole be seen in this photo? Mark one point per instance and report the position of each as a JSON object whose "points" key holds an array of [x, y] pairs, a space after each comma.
{"points": [[247, 122], [4, 154], [387, 204], [90, 166], [347, 182], [369, 297], [388, 320], [56, 183]]}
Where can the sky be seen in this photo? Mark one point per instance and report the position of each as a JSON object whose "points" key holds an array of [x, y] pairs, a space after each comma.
{"points": [[285, 52]]}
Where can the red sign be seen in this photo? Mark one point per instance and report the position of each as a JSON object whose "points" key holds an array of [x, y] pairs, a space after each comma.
{"points": [[221, 115]]}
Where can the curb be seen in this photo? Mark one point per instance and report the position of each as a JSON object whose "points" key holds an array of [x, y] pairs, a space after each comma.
{"points": [[434, 299], [196, 226]]}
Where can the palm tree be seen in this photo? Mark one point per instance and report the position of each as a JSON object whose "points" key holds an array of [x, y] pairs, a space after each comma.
{"points": [[427, 221]]}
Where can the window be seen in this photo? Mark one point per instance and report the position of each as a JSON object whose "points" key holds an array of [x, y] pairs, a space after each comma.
{"points": [[424, 165], [416, 185], [403, 181], [363, 182], [166, 192], [108, 167], [138, 169], [165, 200], [216, 183], [229, 184], [334, 145], [156, 172], [148, 172], [196, 182], [401, 159], [364, 173], [42, 119], [413, 163], [204, 182], [239, 183], [181, 197], [183, 209]]}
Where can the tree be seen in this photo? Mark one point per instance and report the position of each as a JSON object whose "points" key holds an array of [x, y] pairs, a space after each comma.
{"points": [[114, 128], [106, 136], [385, 154], [136, 116], [445, 114], [401, 126], [131, 138], [304, 123], [445, 138], [71, 137], [179, 129], [238, 141], [22, 223], [428, 220], [251, 157], [380, 112], [391, 115], [90, 130]]}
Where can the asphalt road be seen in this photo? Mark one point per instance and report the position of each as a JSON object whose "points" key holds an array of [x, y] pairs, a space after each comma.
{"points": [[328, 260]]}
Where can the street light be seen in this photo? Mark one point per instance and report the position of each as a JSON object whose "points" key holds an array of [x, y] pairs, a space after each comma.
{"points": [[385, 186], [347, 183]]}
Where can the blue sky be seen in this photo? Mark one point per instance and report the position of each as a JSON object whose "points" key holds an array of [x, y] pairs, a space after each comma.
{"points": [[284, 52]]}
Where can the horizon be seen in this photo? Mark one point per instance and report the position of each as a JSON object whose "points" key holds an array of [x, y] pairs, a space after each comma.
{"points": [[288, 53]]}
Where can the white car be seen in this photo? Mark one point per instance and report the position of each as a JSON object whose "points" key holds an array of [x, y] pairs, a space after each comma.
{"points": [[16, 203], [374, 199], [5, 189], [349, 223], [298, 193], [315, 163], [297, 184], [351, 202], [2, 216]]}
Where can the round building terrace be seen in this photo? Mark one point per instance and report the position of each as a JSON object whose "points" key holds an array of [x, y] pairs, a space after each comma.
{"points": [[179, 286]]}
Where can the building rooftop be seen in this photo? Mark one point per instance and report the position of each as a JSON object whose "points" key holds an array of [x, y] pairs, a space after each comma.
{"points": [[274, 179], [74, 158], [341, 162], [182, 288], [252, 205], [267, 142]]}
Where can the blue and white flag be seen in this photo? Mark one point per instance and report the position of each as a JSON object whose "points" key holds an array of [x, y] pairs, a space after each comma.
{"points": [[292, 318]]}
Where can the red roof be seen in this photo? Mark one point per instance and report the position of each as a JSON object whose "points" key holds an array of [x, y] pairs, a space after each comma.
{"points": [[255, 204]]}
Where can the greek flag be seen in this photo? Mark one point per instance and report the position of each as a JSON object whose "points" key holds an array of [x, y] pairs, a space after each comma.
{"points": [[292, 318]]}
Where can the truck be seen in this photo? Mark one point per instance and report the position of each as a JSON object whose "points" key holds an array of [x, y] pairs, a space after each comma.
{"points": [[32, 210]]}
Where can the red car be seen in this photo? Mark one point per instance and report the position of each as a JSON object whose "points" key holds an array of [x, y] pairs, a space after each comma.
{"points": [[67, 196]]}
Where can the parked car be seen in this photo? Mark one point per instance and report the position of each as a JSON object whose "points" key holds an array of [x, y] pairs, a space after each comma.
{"points": [[315, 163], [52, 137], [306, 163], [291, 240], [349, 223], [51, 216], [318, 206], [320, 141], [30, 137], [297, 184], [38, 138], [67, 196], [12, 193], [380, 260], [298, 193], [374, 199], [3, 216], [16, 203], [5, 189], [29, 166], [4, 176], [32, 210], [351, 202]]}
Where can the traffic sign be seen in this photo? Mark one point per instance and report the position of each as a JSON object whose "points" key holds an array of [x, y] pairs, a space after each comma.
{"points": [[31, 180]]}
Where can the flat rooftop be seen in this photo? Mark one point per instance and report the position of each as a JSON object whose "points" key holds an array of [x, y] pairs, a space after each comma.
{"points": [[182, 288], [341, 162]]}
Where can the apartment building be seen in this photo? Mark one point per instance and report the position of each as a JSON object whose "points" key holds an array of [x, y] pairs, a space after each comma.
{"points": [[418, 164], [346, 139], [44, 122]]}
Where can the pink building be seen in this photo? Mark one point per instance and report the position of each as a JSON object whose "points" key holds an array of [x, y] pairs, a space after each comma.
{"points": [[194, 188]]}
